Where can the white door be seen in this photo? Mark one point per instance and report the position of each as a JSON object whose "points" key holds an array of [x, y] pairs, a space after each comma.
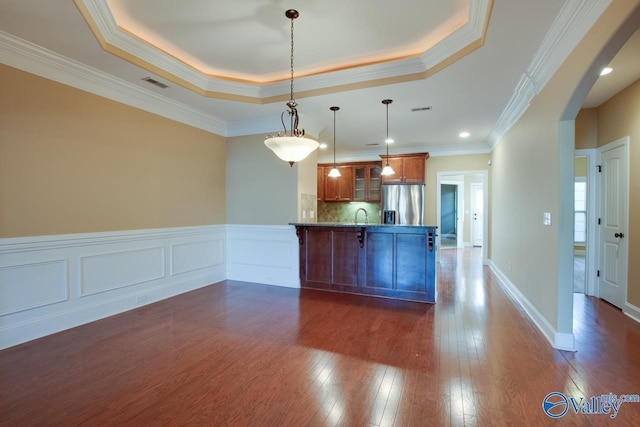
{"points": [[477, 214], [613, 223]]}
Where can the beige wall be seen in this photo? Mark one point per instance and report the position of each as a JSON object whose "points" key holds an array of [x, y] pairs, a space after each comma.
{"points": [[587, 128], [617, 118], [532, 173], [73, 162], [261, 188]]}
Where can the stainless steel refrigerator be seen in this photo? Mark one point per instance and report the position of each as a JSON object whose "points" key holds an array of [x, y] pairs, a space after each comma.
{"points": [[403, 204]]}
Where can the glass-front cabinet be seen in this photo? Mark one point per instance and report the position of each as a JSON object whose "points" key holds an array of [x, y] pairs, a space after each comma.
{"points": [[367, 182]]}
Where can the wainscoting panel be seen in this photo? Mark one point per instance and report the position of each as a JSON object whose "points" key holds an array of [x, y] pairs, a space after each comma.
{"points": [[194, 256], [28, 286], [52, 283], [263, 254], [106, 272]]}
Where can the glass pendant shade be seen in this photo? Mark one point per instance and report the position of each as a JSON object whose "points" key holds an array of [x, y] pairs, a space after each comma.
{"points": [[334, 172], [291, 149], [387, 170]]}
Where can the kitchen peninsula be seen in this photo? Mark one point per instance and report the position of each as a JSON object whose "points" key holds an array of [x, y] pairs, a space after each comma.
{"points": [[392, 261]]}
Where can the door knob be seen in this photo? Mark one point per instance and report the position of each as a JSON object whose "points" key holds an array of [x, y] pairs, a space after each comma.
{"points": [[619, 235]]}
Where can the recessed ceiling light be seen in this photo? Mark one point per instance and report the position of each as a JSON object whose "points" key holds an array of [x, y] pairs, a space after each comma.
{"points": [[389, 141], [464, 135], [605, 71], [323, 145]]}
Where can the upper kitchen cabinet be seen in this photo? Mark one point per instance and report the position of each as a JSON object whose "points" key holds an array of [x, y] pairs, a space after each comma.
{"points": [[408, 168], [367, 182], [338, 189]]}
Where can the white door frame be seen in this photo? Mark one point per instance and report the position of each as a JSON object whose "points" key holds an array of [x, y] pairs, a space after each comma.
{"points": [[472, 205], [440, 176], [624, 141], [591, 260]]}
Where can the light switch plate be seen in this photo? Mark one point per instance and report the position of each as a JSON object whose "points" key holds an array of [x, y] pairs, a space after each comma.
{"points": [[546, 218]]}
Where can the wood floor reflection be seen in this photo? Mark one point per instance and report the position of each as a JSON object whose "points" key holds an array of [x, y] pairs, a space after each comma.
{"points": [[238, 354]]}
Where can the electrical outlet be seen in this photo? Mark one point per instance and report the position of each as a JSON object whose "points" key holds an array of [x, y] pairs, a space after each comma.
{"points": [[141, 299], [509, 266]]}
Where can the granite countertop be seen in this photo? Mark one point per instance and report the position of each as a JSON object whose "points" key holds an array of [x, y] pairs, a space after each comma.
{"points": [[352, 225]]}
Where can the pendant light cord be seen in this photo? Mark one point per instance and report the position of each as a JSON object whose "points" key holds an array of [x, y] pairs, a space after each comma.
{"points": [[291, 100]]}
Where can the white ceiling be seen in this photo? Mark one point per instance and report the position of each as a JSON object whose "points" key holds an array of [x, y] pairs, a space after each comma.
{"points": [[225, 62]]}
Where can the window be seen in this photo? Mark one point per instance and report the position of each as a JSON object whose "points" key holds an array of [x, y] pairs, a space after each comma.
{"points": [[580, 211]]}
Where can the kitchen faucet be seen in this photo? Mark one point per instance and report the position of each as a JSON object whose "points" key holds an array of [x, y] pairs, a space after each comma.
{"points": [[366, 217]]}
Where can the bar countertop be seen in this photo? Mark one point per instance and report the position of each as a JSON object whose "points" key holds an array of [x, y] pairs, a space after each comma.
{"points": [[353, 225]]}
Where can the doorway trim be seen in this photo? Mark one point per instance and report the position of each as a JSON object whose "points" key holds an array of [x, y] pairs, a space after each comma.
{"points": [[472, 222], [591, 284], [442, 176]]}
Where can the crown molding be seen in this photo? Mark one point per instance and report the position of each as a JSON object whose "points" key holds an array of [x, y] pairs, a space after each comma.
{"points": [[570, 26], [34, 59], [371, 154], [147, 56]]}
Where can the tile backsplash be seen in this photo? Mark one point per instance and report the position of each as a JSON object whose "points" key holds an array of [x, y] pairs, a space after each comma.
{"points": [[345, 212]]}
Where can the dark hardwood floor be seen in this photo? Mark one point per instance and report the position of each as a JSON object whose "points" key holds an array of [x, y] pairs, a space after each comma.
{"points": [[238, 354]]}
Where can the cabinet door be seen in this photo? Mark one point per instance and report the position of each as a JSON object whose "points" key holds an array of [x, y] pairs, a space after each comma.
{"points": [[331, 187], [374, 183], [413, 170], [345, 184], [339, 189], [360, 183], [396, 165]]}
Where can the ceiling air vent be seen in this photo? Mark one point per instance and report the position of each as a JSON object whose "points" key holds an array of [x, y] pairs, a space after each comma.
{"points": [[372, 144], [155, 82], [413, 110]]}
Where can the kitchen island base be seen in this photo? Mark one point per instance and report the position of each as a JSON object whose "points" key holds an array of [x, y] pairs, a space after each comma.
{"points": [[379, 260]]}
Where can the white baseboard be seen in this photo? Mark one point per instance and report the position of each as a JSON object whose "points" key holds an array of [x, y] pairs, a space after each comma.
{"points": [[52, 283], [265, 254], [632, 311], [559, 340]]}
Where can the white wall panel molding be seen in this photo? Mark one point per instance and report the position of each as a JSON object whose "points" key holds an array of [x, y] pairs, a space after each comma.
{"points": [[52, 283], [193, 256], [560, 341], [263, 254], [20, 285], [113, 270]]}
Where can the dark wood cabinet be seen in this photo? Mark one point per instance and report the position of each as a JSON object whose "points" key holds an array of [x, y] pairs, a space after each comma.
{"points": [[358, 182], [409, 168], [388, 261], [338, 189]]}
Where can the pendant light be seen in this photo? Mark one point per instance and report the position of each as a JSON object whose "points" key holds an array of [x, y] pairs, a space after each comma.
{"points": [[387, 170], [292, 147], [334, 173]]}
